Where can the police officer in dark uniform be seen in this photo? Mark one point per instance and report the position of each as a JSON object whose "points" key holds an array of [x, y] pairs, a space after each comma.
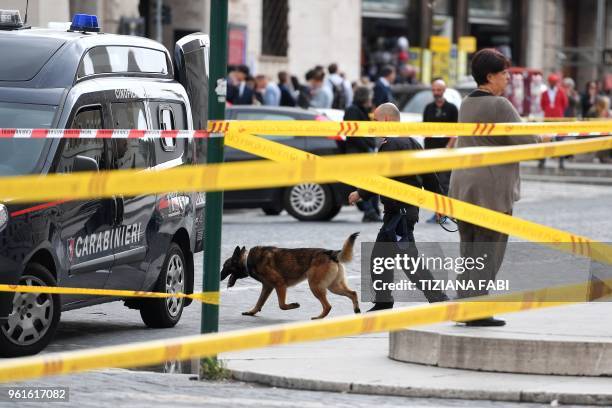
{"points": [[399, 218]]}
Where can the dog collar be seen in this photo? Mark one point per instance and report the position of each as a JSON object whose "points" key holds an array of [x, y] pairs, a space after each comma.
{"points": [[247, 267]]}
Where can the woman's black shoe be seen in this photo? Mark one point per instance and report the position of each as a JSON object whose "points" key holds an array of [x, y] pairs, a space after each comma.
{"points": [[486, 322]]}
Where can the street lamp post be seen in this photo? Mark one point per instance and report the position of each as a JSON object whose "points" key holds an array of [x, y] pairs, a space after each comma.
{"points": [[214, 200]]}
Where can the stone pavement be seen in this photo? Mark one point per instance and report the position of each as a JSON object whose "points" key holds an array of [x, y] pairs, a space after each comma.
{"points": [[135, 389]]}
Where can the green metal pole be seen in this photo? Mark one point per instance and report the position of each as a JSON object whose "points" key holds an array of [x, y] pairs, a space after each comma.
{"points": [[214, 201]]}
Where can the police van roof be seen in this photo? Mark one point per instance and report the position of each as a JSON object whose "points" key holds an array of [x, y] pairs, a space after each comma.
{"points": [[46, 58]]}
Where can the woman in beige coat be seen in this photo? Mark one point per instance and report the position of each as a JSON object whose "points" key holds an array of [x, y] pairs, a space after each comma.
{"points": [[492, 187]]}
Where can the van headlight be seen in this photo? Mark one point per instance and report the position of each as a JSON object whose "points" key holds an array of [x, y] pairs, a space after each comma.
{"points": [[4, 217]]}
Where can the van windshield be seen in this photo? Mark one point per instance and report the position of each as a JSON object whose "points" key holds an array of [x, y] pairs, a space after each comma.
{"points": [[22, 156], [26, 115]]}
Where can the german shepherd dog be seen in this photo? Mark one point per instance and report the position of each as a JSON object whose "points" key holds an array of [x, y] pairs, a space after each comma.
{"points": [[279, 268]]}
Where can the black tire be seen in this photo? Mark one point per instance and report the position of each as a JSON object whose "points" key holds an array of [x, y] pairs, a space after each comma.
{"points": [[14, 340], [309, 201], [164, 313], [271, 211], [334, 211]]}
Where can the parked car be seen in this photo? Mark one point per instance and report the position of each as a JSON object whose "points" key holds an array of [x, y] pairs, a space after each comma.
{"points": [[306, 202], [82, 79]]}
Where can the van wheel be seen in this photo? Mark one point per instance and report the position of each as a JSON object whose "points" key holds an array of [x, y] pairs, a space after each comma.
{"points": [[163, 313], [309, 201], [34, 318]]}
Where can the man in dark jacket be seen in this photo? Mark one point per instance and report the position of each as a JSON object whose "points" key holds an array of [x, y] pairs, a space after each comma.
{"points": [[382, 87], [240, 93], [440, 110], [284, 84], [360, 111], [399, 218]]}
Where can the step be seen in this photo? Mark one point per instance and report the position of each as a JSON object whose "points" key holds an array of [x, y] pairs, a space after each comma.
{"points": [[572, 341]]}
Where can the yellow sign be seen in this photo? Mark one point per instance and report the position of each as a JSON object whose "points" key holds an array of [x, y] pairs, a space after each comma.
{"points": [[439, 44], [441, 64], [467, 44]]}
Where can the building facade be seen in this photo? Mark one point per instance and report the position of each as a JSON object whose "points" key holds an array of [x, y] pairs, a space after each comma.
{"points": [[571, 36]]}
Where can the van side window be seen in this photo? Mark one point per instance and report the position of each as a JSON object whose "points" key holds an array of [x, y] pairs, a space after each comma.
{"points": [[129, 115], [166, 122], [88, 118]]}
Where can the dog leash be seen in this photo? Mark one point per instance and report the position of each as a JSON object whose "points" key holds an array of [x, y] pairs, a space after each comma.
{"points": [[442, 220]]}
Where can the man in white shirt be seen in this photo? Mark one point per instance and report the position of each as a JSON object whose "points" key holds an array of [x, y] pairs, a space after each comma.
{"points": [[322, 96]]}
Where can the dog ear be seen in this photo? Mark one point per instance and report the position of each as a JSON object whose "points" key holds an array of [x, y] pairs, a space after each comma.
{"points": [[236, 252], [243, 250]]}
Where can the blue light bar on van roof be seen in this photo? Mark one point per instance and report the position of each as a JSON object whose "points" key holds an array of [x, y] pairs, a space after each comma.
{"points": [[85, 23], [10, 19]]}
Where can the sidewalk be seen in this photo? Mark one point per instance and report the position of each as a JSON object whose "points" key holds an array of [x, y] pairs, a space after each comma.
{"points": [[361, 364], [574, 172]]}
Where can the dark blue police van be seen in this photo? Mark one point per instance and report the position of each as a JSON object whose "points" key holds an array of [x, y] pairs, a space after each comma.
{"points": [[83, 79]]}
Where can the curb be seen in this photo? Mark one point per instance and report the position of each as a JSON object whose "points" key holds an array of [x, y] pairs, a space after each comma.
{"points": [[593, 180], [541, 397]]}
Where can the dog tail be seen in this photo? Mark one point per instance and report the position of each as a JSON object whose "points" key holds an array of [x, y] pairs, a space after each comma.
{"points": [[346, 255]]}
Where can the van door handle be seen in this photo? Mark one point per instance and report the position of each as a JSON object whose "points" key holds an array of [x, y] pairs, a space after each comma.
{"points": [[120, 210], [112, 203]]}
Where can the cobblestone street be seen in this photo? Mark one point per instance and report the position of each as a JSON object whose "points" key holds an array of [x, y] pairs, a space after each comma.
{"points": [[580, 209]]}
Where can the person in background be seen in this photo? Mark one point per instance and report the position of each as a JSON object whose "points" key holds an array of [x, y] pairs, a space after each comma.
{"points": [[242, 94], [440, 110], [382, 87], [407, 75], [573, 109], [341, 88], [232, 83], [588, 97], [554, 100], [321, 96], [601, 110], [360, 111], [304, 92], [286, 90], [554, 103], [266, 93]]}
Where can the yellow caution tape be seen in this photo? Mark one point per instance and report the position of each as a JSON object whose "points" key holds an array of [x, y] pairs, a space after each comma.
{"points": [[572, 119], [441, 204], [231, 176], [318, 128], [183, 348], [204, 297]]}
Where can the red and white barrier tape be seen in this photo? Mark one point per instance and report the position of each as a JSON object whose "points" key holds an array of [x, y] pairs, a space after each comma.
{"points": [[103, 134]]}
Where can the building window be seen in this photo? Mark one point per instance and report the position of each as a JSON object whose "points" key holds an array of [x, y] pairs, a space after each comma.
{"points": [[490, 8], [275, 28], [395, 9]]}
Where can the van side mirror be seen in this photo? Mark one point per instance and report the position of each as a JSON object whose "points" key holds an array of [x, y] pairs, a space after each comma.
{"points": [[84, 163]]}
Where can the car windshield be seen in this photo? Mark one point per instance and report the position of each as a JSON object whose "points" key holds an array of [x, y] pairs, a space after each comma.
{"points": [[21, 156], [418, 102]]}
